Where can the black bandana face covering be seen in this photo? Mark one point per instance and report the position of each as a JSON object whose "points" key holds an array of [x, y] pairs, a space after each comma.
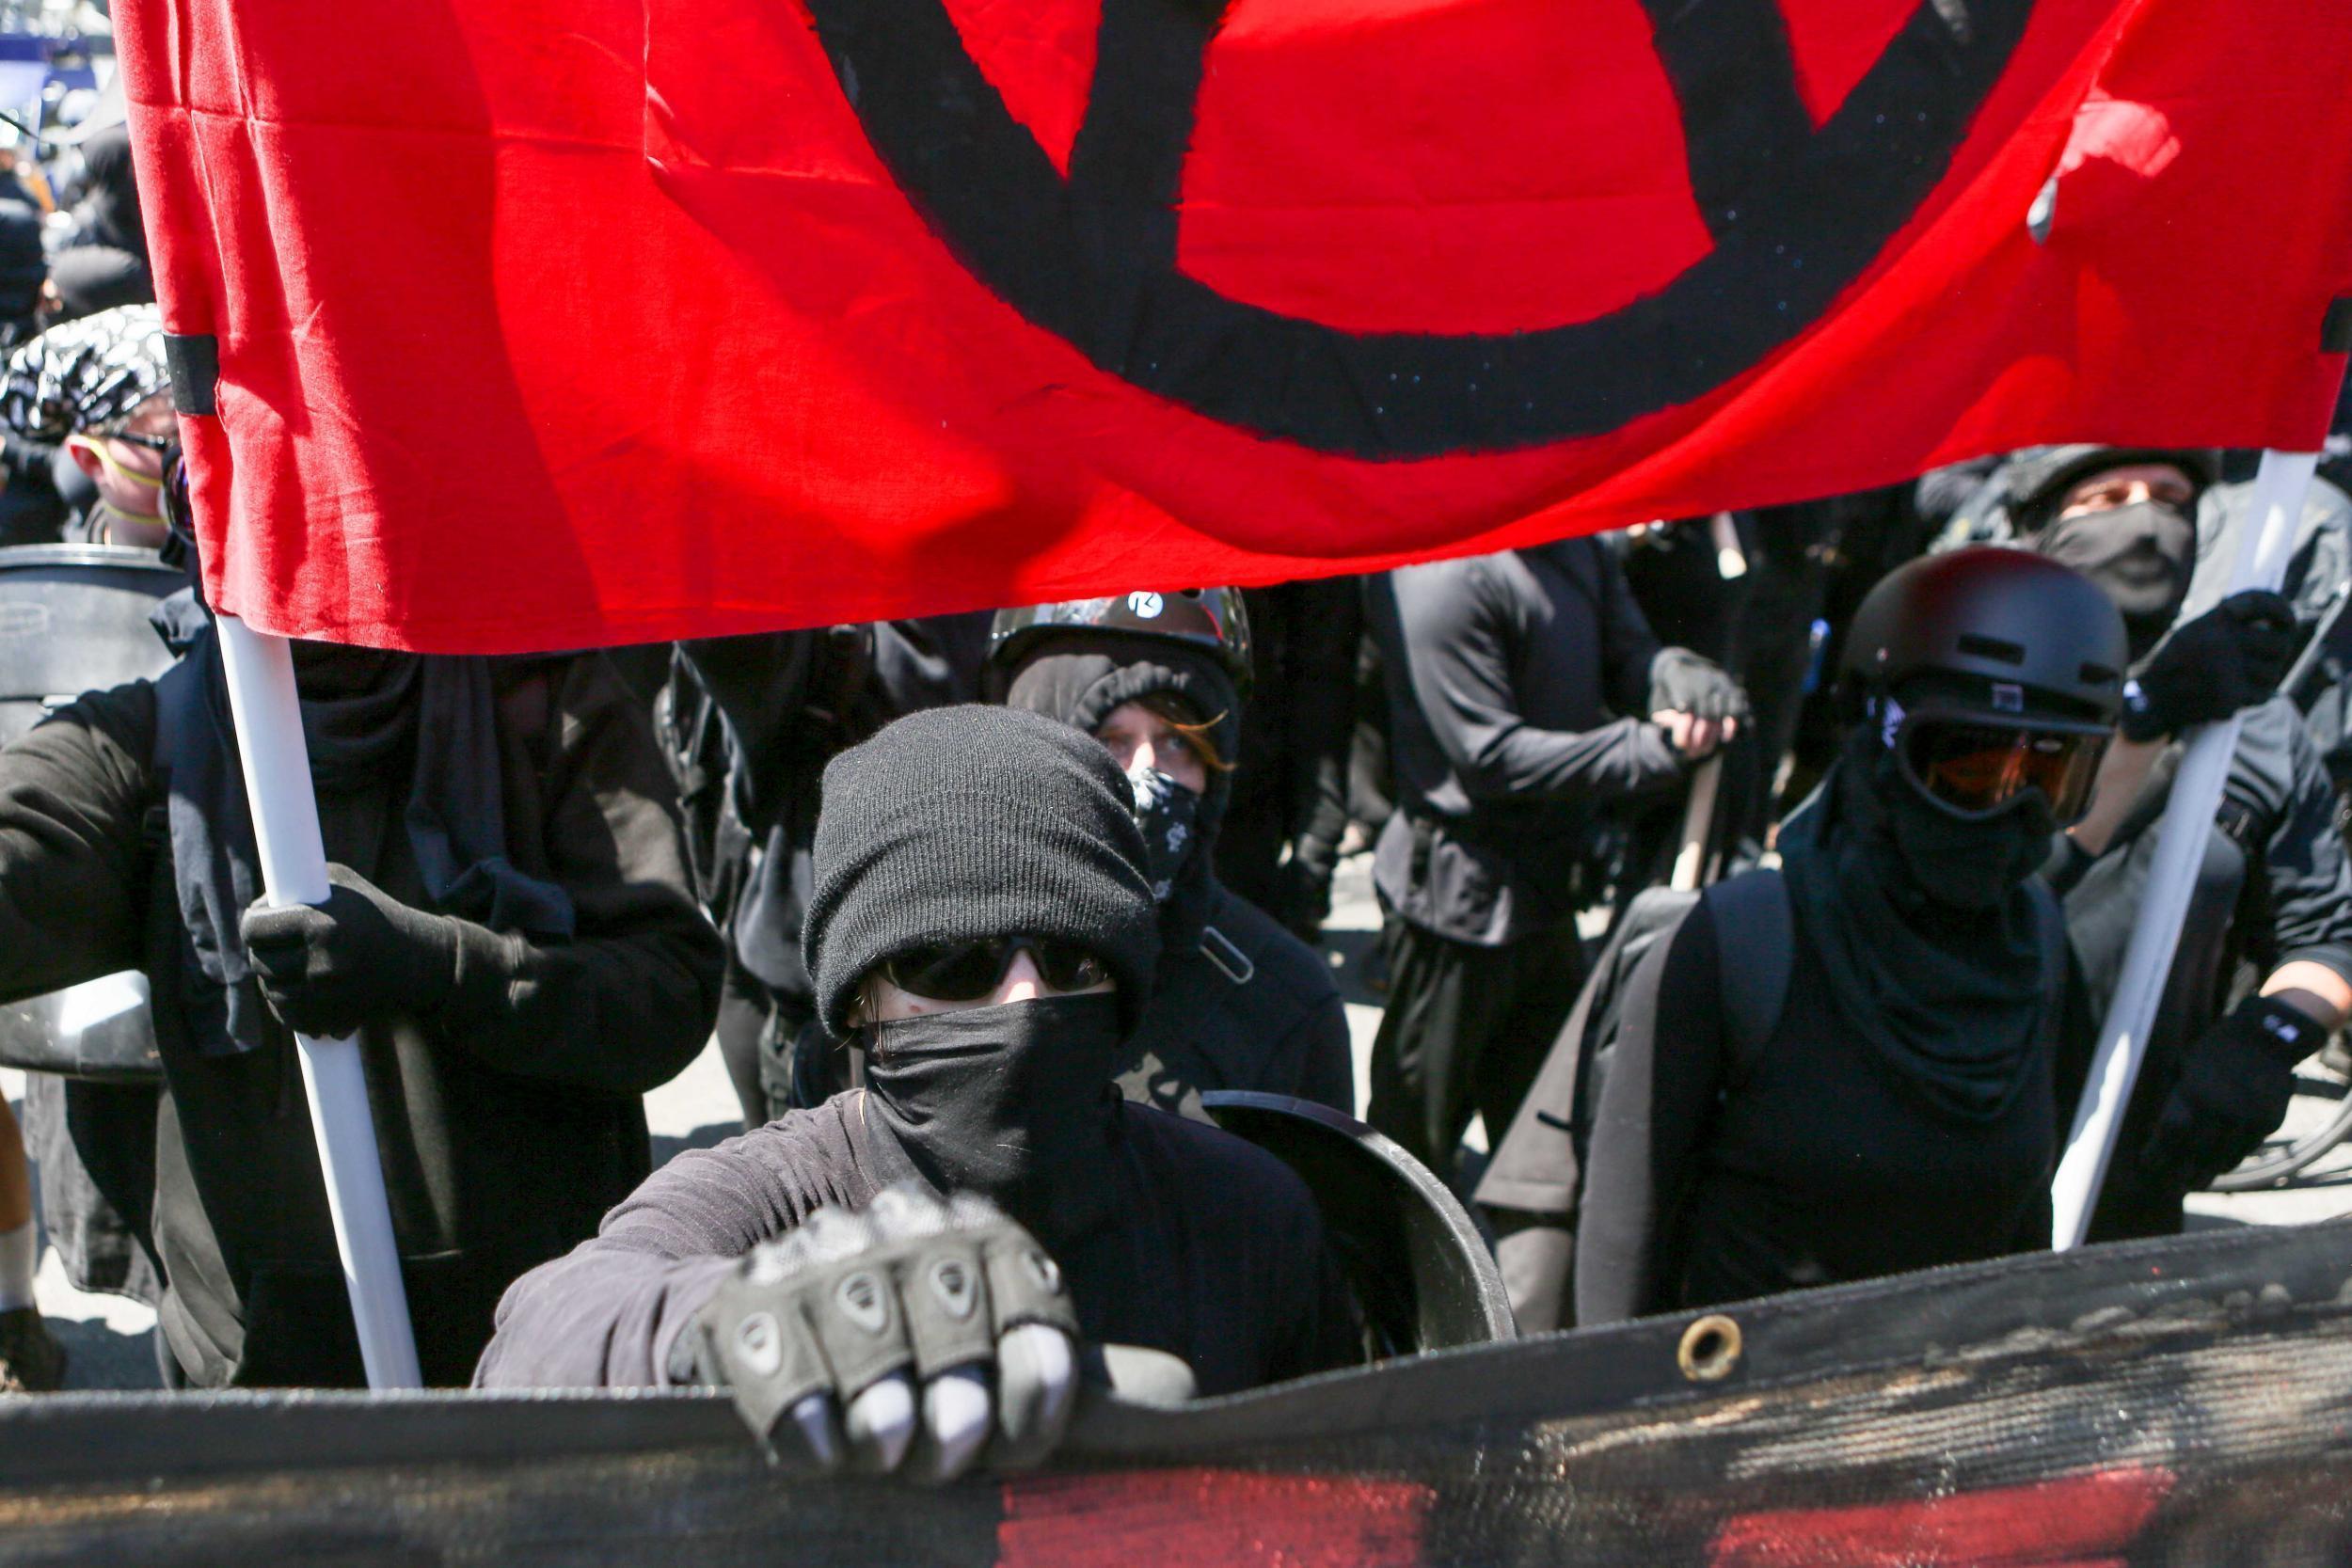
{"points": [[2140, 556], [1014, 1102], [1168, 815]]}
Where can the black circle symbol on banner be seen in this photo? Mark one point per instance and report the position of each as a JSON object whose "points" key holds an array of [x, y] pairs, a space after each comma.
{"points": [[1795, 214]]}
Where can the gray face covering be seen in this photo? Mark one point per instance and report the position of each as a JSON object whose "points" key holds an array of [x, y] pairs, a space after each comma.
{"points": [[2141, 556], [1167, 813]]}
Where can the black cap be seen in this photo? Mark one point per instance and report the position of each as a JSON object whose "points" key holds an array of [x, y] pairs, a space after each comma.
{"points": [[2036, 479]]}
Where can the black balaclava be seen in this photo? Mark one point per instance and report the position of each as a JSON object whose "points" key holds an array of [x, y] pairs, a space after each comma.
{"points": [[2141, 556], [1925, 925], [1079, 677], [967, 824]]}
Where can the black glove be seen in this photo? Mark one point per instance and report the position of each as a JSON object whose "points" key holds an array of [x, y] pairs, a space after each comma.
{"points": [[2235, 1086], [326, 968], [828, 1326], [1683, 682], [2232, 657]]}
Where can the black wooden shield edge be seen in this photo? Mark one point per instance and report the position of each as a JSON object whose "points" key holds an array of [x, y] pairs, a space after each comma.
{"points": [[2260, 1277]]}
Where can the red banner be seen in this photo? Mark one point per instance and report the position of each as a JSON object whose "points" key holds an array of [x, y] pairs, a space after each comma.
{"points": [[545, 322]]}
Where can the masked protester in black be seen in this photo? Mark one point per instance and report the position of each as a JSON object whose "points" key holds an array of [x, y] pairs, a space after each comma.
{"points": [[1238, 1002], [2263, 972], [1525, 693], [510, 934], [1898, 1114], [983, 922]]}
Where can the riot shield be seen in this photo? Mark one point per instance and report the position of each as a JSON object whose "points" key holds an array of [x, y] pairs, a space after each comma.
{"points": [[73, 619], [1416, 1261]]}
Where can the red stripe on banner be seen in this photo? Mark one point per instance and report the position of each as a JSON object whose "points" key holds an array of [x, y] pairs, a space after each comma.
{"points": [[1206, 1518], [2083, 1522]]}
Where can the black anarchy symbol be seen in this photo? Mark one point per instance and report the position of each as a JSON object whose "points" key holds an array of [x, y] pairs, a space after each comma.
{"points": [[1796, 213]]}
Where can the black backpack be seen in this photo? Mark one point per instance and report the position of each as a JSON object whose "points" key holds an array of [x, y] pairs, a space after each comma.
{"points": [[1536, 1168]]}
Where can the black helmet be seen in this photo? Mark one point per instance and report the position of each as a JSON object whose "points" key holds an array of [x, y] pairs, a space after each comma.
{"points": [[2035, 479], [2043, 640], [1210, 619]]}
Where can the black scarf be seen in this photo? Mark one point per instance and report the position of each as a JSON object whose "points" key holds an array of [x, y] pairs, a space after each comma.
{"points": [[1014, 1102], [1950, 995], [361, 712]]}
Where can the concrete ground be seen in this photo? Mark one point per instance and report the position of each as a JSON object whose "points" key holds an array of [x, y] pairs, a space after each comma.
{"points": [[110, 1339]]}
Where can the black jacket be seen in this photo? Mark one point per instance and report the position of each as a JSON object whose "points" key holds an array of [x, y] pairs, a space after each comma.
{"points": [[1290, 783], [1237, 1003], [508, 1123], [1518, 695], [1219, 1256]]}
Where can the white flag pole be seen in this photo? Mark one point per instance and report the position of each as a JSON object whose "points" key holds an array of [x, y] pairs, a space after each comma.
{"points": [[2273, 513], [268, 717]]}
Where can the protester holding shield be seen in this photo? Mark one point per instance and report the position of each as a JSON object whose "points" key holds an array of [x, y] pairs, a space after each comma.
{"points": [[983, 922]]}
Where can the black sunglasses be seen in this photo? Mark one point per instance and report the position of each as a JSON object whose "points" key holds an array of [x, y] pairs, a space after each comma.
{"points": [[152, 443], [967, 971]]}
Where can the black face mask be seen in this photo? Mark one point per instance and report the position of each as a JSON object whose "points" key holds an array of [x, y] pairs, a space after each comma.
{"points": [[1168, 815], [1970, 867], [2139, 555], [1014, 1102]]}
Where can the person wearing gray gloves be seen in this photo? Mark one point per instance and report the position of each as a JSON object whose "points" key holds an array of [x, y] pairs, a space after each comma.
{"points": [[861, 1274], [1525, 692]]}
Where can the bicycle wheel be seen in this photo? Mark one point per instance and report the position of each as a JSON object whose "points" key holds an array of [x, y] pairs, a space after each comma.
{"points": [[2322, 1076]]}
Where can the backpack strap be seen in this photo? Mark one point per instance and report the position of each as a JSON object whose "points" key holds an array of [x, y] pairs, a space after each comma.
{"points": [[1755, 937]]}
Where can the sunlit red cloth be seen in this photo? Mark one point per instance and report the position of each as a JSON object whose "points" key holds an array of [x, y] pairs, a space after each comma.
{"points": [[546, 322]]}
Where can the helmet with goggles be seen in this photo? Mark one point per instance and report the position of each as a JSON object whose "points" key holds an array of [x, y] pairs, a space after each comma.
{"points": [[1210, 619], [1989, 671]]}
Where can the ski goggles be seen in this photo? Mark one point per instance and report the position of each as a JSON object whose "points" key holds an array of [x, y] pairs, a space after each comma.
{"points": [[1974, 765], [967, 971]]}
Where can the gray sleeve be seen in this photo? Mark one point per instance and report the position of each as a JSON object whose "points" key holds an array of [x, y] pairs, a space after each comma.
{"points": [[2310, 879], [604, 1315], [1459, 665]]}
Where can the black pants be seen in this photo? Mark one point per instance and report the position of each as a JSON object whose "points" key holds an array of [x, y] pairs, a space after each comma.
{"points": [[1466, 1031]]}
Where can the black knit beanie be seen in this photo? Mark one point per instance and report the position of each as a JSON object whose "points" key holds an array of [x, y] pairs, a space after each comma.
{"points": [[959, 824]]}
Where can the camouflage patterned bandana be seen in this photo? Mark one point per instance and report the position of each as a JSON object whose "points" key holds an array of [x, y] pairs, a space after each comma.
{"points": [[85, 376]]}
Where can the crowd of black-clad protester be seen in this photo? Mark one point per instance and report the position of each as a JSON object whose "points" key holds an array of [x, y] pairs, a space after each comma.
{"points": [[987, 911]]}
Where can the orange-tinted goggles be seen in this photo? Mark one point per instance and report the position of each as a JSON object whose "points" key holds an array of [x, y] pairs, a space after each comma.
{"points": [[1975, 768]]}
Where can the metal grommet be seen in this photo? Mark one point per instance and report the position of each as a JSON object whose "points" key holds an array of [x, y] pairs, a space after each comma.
{"points": [[1709, 1349]]}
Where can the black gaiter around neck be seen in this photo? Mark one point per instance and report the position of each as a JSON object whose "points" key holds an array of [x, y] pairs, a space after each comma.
{"points": [[1950, 995], [1014, 1102]]}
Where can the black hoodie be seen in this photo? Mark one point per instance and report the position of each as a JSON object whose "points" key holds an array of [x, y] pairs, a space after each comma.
{"points": [[1238, 1002]]}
